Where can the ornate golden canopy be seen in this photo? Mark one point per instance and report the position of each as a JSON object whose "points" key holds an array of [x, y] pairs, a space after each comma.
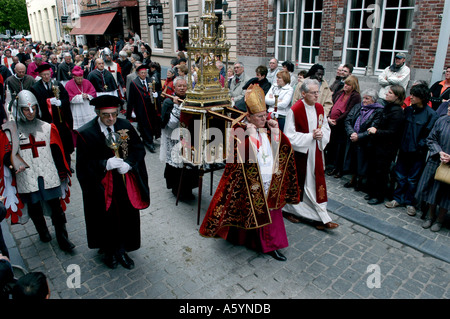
{"points": [[206, 45]]}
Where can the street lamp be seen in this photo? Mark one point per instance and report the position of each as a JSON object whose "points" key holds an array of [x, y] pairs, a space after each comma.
{"points": [[225, 8]]}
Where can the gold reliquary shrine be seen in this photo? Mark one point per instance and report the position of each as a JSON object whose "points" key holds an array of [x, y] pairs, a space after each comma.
{"points": [[207, 105]]}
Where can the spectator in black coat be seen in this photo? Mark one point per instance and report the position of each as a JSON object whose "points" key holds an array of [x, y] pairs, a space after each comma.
{"points": [[383, 148]]}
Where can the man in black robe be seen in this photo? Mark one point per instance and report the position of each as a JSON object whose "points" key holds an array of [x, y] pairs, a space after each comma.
{"points": [[18, 82], [102, 80], [114, 188], [55, 109], [65, 69], [141, 100], [125, 65], [53, 61]]}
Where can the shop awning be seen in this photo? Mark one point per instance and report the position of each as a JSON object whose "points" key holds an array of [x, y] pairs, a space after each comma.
{"points": [[94, 24]]}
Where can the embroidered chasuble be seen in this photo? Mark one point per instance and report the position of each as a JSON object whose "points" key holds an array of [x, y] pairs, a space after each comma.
{"points": [[240, 199]]}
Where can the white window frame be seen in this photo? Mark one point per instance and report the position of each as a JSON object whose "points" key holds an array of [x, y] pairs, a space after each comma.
{"points": [[76, 8], [362, 27], [64, 7], [289, 13], [176, 27], [377, 33], [153, 29], [311, 47], [396, 30]]}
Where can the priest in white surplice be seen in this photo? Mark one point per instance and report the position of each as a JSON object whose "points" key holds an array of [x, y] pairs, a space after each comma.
{"points": [[308, 131]]}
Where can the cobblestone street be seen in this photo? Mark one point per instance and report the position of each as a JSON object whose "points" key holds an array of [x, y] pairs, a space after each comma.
{"points": [[175, 262]]}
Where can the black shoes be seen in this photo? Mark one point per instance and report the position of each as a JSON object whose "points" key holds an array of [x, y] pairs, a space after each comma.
{"points": [[125, 261], [277, 255], [112, 260]]}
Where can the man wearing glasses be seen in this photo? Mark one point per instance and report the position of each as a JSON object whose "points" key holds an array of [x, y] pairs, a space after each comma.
{"points": [[308, 131], [114, 184], [237, 83]]}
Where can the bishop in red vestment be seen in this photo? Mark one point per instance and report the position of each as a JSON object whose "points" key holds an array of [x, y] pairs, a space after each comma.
{"points": [[259, 179]]}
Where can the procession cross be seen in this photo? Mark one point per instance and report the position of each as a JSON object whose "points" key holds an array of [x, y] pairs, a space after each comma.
{"points": [[33, 145]]}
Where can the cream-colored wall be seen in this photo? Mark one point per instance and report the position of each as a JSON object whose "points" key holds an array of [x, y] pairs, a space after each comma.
{"points": [[42, 22]]}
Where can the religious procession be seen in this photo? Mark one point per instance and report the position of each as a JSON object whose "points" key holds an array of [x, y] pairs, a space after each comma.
{"points": [[93, 114]]}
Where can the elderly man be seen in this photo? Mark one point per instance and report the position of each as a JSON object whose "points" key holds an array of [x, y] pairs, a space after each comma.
{"points": [[397, 73], [64, 74], [80, 91], [125, 66], [272, 71], [53, 61], [112, 217], [308, 131], [261, 173], [142, 100], [102, 80], [237, 83], [170, 139], [18, 82]]}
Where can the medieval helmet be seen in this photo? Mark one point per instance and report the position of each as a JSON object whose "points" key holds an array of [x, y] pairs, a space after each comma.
{"points": [[107, 51], [25, 99]]}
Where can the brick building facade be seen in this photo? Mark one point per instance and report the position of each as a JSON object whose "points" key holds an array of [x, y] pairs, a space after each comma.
{"points": [[365, 33]]}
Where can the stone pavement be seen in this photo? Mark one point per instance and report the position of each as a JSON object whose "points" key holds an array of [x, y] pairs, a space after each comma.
{"points": [[376, 253]]}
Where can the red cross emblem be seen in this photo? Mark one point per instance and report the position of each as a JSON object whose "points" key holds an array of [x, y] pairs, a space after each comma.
{"points": [[33, 145]]}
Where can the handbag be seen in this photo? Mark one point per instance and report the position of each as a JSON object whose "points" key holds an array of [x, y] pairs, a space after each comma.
{"points": [[443, 173]]}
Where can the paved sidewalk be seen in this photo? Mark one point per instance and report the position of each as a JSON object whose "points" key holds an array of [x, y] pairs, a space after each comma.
{"points": [[175, 262]]}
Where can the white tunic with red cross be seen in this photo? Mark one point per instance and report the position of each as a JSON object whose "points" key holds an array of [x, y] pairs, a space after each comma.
{"points": [[34, 140], [114, 68]]}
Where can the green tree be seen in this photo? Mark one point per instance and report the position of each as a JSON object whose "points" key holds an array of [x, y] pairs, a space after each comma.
{"points": [[14, 16]]}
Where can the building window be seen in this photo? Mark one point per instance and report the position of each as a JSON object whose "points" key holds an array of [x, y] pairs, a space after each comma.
{"points": [[310, 31], [76, 9], [395, 31], [218, 12], [181, 24], [284, 30], [157, 33], [64, 8], [374, 33]]}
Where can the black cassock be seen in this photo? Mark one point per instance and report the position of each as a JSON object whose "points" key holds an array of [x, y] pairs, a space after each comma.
{"points": [[64, 124], [140, 101], [65, 71], [117, 226], [103, 81]]}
